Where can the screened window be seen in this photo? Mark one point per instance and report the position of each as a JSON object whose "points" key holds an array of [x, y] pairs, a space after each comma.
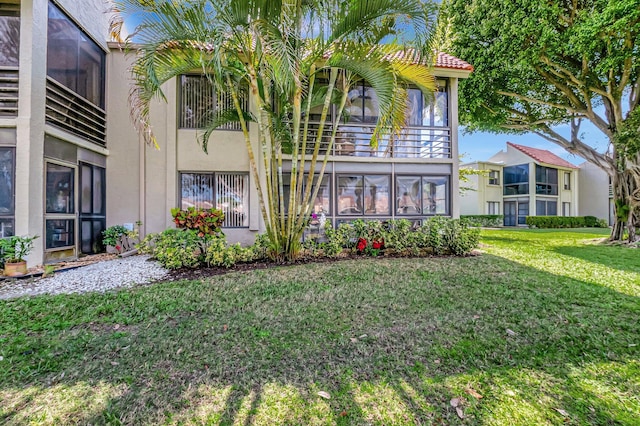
{"points": [[73, 59], [546, 180], [199, 103], [546, 208], [567, 180], [422, 111], [422, 195], [516, 180], [494, 177], [9, 38], [7, 191], [493, 207], [364, 195], [322, 203], [228, 192]]}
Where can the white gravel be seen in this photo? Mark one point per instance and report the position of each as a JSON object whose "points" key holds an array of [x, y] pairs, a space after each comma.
{"points": [[100, 277]]}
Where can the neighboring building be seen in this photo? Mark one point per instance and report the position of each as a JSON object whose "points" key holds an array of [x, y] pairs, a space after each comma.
{"points": [[523, 181], [596, 197], [71, 162]]}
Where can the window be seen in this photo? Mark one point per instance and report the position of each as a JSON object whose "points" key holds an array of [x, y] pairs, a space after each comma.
{"points": [[9, 38], [228, 192], [363, 195], [73, 59], [7, 191], [494, 177], [363, 106], [567, 180], [322, 203], [516, 180], [546, 180], [546, 208], [493, 207], [566, 209], [422, 195], [199, 101]]}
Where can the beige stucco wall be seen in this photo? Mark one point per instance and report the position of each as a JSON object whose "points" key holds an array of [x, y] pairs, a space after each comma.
{"points": [[594, 184], [476, 202]]}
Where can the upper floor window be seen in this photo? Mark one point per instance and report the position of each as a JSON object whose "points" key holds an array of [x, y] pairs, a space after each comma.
{"points": [[567, 180], [546, 180], [73, 59], [9, 38], [516, 180], [494, 177], [363, 106], [199, 103]]}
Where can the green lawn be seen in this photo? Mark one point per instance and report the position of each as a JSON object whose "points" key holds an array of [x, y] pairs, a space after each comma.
{"points": [[545, 326]]}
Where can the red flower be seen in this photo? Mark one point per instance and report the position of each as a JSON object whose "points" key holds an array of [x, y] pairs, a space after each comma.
{"points": [[118, 247], [362, 244], [377, 245]]}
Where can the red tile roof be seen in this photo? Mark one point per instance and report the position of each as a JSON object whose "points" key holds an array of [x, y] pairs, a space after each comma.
{"points": [[444, 60], [543, 156]]}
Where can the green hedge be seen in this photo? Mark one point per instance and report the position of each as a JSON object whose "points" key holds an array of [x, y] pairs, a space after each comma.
{"points": [[565, 222], [484, 220]]}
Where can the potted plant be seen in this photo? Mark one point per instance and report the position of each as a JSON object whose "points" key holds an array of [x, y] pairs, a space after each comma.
{"points": [[14, 250]]}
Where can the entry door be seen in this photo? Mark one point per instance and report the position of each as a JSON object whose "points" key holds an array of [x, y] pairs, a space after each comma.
{"points": [[92, 208], [510, 213]]}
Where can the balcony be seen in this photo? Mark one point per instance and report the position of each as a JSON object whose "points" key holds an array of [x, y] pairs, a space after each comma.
{"points": [[73, 113], [352, 140], [8, 92]]}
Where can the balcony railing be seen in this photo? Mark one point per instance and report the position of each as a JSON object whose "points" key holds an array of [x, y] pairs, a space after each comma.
{"points": [[8, 92], [353, 140], [71, 112]]}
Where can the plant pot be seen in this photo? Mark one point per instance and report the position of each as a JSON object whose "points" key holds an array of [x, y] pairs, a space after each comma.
{"points": [[15, 269]]}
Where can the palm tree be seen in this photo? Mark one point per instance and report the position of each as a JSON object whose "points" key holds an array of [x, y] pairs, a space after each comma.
{"points": [[291, 56]]}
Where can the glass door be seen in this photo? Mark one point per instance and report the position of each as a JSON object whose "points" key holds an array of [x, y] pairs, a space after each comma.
{"points": [[510, 213], [92, 208], [60, 211]]}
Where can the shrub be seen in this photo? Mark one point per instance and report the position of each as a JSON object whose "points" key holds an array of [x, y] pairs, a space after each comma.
{"points": [[484, 220], [179, 248], [546, 222], [111, 235], [220, 254], [205, 221]]}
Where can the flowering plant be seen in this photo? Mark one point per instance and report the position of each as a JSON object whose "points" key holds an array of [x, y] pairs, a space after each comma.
{"points": [[361, 245]]}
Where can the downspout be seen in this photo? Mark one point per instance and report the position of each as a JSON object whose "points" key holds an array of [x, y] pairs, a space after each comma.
{"points": [[141, 182]]}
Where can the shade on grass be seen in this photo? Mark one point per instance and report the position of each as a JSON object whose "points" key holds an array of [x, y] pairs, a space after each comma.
{"points": [[544, 327]]}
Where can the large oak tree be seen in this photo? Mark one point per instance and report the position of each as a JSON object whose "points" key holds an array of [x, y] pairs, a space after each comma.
{"points": [[541, 64]]}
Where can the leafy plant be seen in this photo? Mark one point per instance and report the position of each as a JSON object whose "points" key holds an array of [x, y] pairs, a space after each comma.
{"points": [[205, 221], [548, 222], [484, 220], [15, 249], [112, 235]]}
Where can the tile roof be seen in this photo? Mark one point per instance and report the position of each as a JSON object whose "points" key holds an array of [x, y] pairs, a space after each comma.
{"points": [[444, 60], [543, 156]]}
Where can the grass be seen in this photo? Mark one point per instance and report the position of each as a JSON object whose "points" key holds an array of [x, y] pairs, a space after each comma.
{"points": [[544, 326]]}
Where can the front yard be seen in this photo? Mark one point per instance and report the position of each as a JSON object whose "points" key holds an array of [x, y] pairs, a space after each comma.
{"points": [[541, 329]]}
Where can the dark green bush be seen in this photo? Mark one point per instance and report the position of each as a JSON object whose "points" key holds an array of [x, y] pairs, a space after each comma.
{"points": [[552, 222], [484, 220]]}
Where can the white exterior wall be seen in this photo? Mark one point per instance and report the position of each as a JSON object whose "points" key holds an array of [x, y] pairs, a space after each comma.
{"points": [[595, 199], [476, 202]]}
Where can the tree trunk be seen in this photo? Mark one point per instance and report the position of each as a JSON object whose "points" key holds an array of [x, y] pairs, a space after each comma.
{"points": [[626, 195]]}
